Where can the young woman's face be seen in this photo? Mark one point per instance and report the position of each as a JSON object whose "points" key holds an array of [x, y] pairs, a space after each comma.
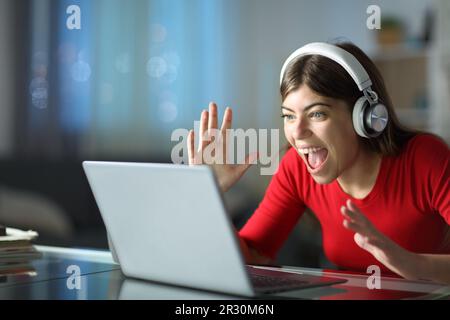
{"points": [[321, 131]]}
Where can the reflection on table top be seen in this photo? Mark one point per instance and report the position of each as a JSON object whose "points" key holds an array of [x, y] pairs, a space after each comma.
{"points": [[100, 278]]}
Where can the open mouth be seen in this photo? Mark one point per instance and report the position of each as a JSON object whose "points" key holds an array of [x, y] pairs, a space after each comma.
{"points": [[315, 157]]}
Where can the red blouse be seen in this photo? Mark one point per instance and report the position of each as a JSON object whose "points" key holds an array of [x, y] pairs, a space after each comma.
{"points": [[409, 203]]}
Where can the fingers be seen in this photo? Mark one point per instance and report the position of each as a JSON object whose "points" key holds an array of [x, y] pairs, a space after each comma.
{"points": [[353, 207], [369, 243], [353, 213], [227, 119], [225, 132], [212, 121], [203, 138], [356, 227], [348, 214], [361, 240], [365, 232], [191, 147], [355, 220], [208, 125]]}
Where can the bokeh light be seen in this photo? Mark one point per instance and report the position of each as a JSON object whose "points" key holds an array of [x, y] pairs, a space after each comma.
{"points": [[39, 92], [80, 71], [156, 67], [170, 75], [172, 58]]}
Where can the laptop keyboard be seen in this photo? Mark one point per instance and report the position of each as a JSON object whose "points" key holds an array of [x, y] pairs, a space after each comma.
{"points": [[269, 284], [273, 281]]}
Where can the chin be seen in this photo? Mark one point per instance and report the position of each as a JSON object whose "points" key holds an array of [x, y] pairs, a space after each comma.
{"points": [[322, 179], [326, 175]]}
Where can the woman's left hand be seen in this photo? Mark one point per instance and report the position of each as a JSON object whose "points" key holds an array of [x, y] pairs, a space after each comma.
{"points": [[390, 254]]}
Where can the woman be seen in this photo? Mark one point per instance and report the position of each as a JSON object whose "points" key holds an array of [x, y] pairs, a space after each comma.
{"points": [[381, 200]]}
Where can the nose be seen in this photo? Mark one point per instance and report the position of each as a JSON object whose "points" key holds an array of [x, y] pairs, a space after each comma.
{"points": [[300, 129]]}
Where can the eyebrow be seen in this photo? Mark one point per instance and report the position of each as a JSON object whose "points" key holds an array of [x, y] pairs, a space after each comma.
{"points": [[309, 106]]}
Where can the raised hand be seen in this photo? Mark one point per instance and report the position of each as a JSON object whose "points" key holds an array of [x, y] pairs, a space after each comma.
{"points": [[213, 148]]}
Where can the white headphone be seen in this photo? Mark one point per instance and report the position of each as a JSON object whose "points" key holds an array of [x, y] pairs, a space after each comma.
{"points": [[369, 117]]}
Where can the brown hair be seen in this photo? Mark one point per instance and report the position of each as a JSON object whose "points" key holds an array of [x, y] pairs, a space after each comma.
{"points": [[329, 79]]}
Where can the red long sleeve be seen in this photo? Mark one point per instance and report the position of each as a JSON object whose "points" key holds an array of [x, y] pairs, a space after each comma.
{"points": [[410, 203]]}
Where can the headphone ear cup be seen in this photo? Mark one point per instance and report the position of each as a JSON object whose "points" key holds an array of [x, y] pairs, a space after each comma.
{"points": [[358, 116], [377, 119]]}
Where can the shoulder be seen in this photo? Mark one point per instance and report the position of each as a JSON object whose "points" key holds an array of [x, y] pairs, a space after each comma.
{"points": [[291, 168], [291, 161], [426, 157], [428, 141], [291, 156], [428, 149]]}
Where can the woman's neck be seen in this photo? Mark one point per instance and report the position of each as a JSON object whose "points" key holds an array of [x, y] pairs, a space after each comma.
{"points": [[360, 178]]}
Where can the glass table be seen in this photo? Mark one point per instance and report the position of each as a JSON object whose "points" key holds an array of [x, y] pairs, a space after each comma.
{"points": [[84, 274]]}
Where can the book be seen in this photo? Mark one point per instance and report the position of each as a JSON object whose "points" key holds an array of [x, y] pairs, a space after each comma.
{"points": [[16, 247], [13, 234], [19, 255], [17, 269]]}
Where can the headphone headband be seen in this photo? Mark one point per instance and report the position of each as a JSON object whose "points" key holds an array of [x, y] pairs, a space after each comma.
{"points": [[369, 116], [344, 58]]}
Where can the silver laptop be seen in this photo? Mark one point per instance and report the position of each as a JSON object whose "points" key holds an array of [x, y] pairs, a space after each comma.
{"points": [[168, 223]]}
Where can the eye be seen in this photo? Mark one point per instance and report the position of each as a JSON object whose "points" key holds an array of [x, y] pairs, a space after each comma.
{"points": [[287, 116], [317, 115]]}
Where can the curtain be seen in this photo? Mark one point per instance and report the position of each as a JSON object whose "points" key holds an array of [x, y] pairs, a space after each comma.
{"points": [[119, 85]]}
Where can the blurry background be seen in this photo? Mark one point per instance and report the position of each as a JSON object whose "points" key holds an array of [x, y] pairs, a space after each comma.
{"points": [[137, 70]]}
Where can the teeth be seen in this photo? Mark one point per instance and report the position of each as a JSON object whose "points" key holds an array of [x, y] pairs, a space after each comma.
{"points": [[309, 150]]}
